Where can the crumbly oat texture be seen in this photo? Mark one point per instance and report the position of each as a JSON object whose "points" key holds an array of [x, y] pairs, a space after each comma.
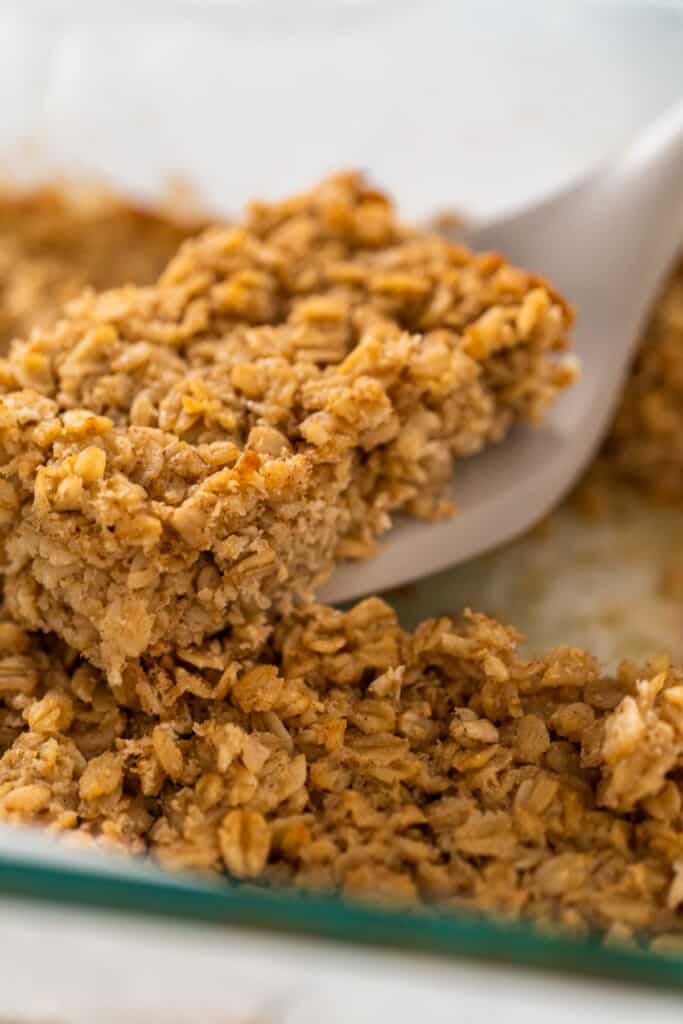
{"points": [[645, 445], [194, 455], [439, 766], [55, 241]]}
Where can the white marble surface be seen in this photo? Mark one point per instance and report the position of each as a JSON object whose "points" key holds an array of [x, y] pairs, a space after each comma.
{"points": [[70, 967]]}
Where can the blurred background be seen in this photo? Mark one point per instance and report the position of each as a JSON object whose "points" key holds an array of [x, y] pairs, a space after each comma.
{"points": [[480, 104]]}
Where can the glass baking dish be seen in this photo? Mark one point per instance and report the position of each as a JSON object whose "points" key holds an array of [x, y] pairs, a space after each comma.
{"points": [[244, 98], [38, 868]]}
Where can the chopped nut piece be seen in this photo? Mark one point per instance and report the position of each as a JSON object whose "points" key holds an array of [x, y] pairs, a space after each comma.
{"points": [[101, 777], [90, 464], [244, 841]]}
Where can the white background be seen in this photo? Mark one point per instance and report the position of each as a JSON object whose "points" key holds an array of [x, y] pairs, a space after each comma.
{"points": [[476, 103]]}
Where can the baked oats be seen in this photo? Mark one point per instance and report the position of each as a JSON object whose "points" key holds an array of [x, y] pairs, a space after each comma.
{"points": [[436, 767], [340, 751], [193, 456], [56, 240], [645, 445]]}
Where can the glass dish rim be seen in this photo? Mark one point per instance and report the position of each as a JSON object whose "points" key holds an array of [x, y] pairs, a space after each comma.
{"points": [[301, 914]]}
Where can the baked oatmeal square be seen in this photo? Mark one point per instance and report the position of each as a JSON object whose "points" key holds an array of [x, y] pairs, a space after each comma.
{"points": [[195, 455]]}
